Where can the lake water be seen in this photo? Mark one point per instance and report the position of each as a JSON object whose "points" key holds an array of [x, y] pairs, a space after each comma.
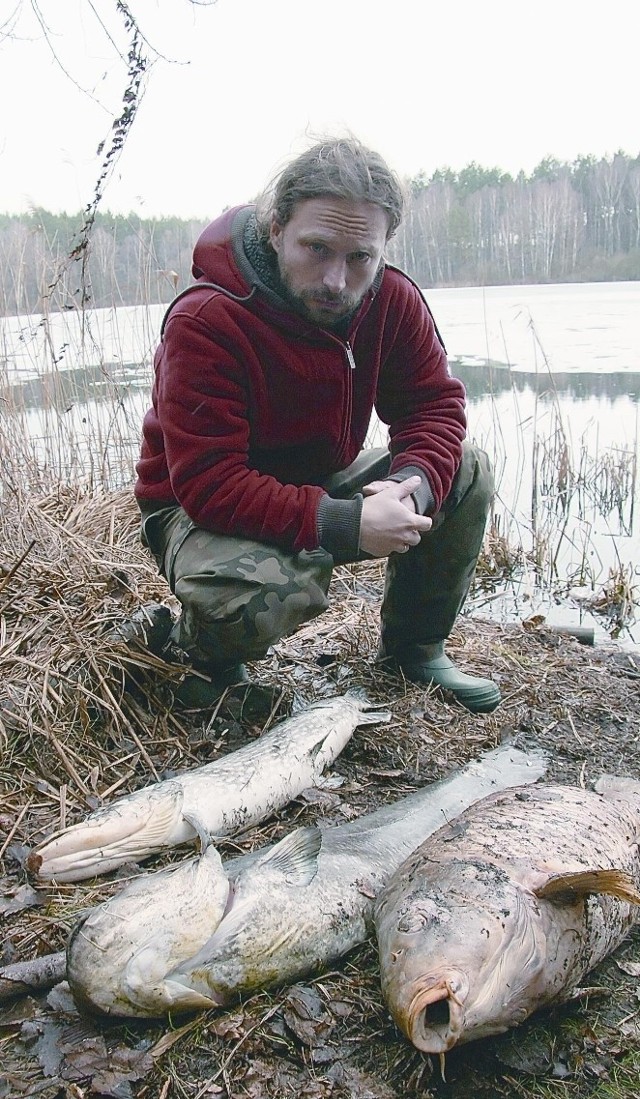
{"points": [[553, 383]]}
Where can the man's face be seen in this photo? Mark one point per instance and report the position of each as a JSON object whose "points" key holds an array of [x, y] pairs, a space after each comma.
{"points": [[328, 255]]}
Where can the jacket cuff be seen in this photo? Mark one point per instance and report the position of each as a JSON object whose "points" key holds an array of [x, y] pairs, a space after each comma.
{"points": [[423, 497], [339, 526]]}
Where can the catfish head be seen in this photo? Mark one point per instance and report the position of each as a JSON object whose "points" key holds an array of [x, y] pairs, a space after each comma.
{"points": [[120, 954]]}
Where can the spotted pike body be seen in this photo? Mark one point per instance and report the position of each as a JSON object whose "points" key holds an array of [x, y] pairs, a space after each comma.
{"points": [[235, 791]]}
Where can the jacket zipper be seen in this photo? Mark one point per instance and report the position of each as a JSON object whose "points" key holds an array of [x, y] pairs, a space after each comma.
{"points": [[349, 400], [348, 350]]}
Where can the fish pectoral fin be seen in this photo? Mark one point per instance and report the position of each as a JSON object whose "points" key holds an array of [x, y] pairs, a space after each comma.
{"points": [[179, 997], [618, 786], [570, 886], [205, 839], [583, 992], [296, 856]]}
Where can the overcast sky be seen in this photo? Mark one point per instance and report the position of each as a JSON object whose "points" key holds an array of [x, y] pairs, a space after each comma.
{"points": [[240, 85]]}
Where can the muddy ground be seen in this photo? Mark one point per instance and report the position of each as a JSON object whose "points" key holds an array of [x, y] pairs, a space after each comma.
{"points": [[329, 1035]]}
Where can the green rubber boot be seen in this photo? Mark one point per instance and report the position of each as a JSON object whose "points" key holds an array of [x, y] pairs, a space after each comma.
{"points": [[434, 668]]}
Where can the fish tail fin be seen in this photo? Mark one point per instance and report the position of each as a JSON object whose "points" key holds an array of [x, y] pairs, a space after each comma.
{"points": [[371, 713], [375, 716]]}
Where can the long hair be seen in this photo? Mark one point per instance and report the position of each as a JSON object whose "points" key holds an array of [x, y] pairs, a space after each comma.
{"points": [[341, 167]]}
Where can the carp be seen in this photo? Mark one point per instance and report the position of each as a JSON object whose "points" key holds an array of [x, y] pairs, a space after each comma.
{"points": [[235, 791], [291, 908], [506, 911]]}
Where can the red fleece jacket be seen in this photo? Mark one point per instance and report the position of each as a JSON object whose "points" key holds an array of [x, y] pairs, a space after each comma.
{"points": [[253, 406]]}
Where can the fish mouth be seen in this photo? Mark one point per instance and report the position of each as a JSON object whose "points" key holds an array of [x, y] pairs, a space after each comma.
{"points": [[435, 1017], [138, 826]]}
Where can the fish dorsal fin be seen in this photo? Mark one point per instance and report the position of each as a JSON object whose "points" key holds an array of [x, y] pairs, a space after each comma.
{"points": [[295, 857], [570, 886], [293, 860]]}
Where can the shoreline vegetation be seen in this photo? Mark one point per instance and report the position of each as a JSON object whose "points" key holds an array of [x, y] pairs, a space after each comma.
{"points": [[565, 222], [85, 717]]}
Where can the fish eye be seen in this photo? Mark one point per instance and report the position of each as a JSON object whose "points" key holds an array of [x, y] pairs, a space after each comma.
{"points": [[412, 921]]}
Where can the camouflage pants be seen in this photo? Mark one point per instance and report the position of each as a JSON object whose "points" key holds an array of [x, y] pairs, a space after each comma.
{"points": [[239, 596]]}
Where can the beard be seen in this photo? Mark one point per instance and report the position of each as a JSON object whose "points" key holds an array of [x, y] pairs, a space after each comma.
{"points": [[320, 306]]}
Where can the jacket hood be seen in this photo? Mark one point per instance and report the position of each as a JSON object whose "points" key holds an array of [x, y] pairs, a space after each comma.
{"points": [[228, 254], [216, 249]]}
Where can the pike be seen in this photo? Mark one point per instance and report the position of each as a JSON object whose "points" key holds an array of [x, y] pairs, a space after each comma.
{"points": [[278, 914], [506, 913], [236, 791]]}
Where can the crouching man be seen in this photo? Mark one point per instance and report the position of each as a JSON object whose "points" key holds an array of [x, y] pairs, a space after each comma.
{"points": [[253, 481]]}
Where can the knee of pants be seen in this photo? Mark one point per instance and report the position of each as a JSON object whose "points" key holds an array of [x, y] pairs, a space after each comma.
{"points": [[483, 478], [473, 482], [242, 620]]}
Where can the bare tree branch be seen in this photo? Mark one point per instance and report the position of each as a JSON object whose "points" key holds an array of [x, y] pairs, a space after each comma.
{"points": [[23, 977]]}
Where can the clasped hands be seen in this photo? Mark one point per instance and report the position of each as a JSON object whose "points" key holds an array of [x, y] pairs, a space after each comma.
{"points": [[389, 522]]}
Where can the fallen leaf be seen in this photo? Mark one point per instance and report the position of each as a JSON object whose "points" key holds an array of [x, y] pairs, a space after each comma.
{"points": [[109, 1071], [561, 1070], [46, 1035], [19, 899], [307, 1016], [307, 1002], [454, 831], [524, 1054], [171, 1037], [229, 1027], [60, 999]]}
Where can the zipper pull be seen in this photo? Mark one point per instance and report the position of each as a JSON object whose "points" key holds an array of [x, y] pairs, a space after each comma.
{"points": [[352, 361]]}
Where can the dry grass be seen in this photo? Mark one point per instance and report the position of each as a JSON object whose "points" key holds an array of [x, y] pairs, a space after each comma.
{"points": [[77, 730]]}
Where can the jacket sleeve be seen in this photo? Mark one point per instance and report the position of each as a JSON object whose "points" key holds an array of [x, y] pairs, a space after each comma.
{"points": [[202, 403], [423, 405]]}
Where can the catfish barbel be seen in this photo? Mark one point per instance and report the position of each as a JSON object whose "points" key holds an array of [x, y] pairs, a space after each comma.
{"points": [[235, 791], [276, 915]]}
